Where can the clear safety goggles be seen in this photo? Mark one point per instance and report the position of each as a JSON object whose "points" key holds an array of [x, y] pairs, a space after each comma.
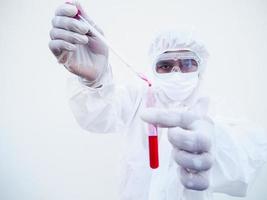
{"points": [[184, 62]]}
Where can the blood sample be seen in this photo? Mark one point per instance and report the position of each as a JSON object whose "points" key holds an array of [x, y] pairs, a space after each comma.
{"points": [[153, 151]]}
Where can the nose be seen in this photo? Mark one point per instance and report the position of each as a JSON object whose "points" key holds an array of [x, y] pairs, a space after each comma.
{"points": [[176, 68]]}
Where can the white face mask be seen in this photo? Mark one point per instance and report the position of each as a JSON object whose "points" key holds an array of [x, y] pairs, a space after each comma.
{"points": [[177, 86]]}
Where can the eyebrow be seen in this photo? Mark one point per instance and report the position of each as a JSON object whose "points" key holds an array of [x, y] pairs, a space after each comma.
{"points": [[164, 61]]}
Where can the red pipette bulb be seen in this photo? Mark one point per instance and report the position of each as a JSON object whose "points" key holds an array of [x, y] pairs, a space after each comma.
{"points": [[78, 13]]}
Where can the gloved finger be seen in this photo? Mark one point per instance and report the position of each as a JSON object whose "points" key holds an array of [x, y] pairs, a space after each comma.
{"points": [[191, 141], [89, 20], [70, 24], [194, 181], [196, 162], [168, 118], [68, 36], [67, 10], [94, 46], [57, 46]]}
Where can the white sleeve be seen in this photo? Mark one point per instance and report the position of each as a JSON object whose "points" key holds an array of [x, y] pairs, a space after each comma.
{"points": [[103, 110], [240, 152]]}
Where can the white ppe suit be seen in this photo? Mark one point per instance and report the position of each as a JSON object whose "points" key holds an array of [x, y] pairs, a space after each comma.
{"points": [[239, 148]]}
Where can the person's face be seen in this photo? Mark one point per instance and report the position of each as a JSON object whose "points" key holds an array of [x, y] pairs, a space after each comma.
{"points": [[172, 61]]}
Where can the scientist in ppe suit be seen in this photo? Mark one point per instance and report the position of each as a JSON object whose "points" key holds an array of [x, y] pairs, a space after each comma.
{"points": [[199, 154]]}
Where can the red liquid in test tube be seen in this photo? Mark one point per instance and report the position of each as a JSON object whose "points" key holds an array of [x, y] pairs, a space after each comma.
{"points": [[153, 151]]}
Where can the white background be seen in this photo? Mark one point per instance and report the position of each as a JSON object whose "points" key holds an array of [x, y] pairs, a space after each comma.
{"points": [[44, 155]]}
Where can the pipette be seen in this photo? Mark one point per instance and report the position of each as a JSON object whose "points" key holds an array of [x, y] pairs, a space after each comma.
{"points": [[107, 43]]}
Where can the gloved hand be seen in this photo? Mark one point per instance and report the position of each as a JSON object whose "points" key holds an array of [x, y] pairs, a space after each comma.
{"points": [[191, 138], [74, 45]]}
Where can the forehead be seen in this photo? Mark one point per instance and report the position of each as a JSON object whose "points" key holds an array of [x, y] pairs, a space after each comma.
{"points": [[176, 55]]}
